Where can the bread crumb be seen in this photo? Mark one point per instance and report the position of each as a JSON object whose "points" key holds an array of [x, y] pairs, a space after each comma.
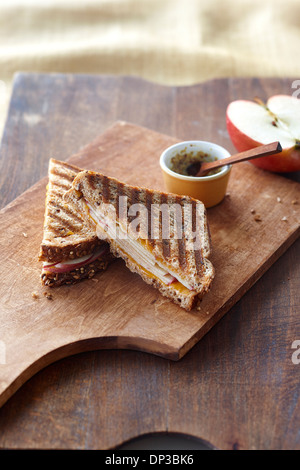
{"points": [[258, 218], [252, 211], [34, 295], [94, 280], [284, 218], [294, 202], [48, 295], [25, 235], [278, 199]]}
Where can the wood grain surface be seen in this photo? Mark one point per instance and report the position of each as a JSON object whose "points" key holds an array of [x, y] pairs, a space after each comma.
{"points": [[120, 311], [237, 388]]}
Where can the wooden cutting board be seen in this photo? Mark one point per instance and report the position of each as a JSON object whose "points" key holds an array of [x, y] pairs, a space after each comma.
{"points": [[237, 388], [117, 309]]}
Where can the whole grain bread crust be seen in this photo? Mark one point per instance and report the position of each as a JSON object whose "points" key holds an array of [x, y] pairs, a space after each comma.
{"points": [[57, 254], [88, 271]]}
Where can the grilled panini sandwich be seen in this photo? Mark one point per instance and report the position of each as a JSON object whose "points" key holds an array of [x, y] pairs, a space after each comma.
{"points": [[162, 237], [70, 249]]}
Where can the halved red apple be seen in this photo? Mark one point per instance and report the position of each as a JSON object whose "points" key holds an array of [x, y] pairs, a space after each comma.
{"points": [[253, 123]]}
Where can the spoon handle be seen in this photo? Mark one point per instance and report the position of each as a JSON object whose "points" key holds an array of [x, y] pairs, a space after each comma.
{"points": [[256, 152]]}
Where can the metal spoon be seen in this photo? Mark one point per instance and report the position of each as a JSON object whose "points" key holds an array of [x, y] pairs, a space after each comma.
{"points": [[202, 168]]}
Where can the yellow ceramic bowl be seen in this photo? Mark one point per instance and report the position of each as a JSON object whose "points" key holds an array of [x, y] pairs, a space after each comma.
{"points": [[209, 189]]}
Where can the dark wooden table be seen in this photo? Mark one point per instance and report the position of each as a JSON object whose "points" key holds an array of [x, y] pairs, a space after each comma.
{"points": [[238, 388]]}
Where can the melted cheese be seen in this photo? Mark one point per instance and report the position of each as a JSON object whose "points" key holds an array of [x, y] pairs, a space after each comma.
{"points": [[174, 285]]}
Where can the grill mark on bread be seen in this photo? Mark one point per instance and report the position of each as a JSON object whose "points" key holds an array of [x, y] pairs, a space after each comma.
{"points": [[197, 253], [134, 198], [160, 201], [166, 248], [64, 224], [182, 258], [105, 189], [64, 211], [59, 186], [149, 202], [65, 165], [193, 216], [119, 193], [129, 195], [198, 261], [92, 180], [61, 174]]}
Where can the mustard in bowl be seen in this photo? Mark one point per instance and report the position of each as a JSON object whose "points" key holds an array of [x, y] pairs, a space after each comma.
{"points": [[179, 164]]}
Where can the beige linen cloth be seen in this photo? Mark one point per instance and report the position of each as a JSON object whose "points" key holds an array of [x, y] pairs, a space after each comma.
{"points": [[173, 42]]}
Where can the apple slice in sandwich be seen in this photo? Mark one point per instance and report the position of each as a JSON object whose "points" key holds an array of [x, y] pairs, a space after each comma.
{"points": [[70, 265], [253, 123]]}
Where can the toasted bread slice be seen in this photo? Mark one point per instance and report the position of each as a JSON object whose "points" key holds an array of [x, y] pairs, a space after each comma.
{"points": [[67, 238], [163, 237]]}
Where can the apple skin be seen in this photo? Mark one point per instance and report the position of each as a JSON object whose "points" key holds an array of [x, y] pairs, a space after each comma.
{"points": [[285, 162], [68, 267]]}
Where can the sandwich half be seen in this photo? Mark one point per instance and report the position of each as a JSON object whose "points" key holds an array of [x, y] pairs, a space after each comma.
{"points": [[70, 249], [163, 237]]}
